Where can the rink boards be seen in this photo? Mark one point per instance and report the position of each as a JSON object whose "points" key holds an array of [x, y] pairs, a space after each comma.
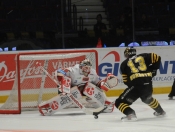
{"points": [[109, 60]]}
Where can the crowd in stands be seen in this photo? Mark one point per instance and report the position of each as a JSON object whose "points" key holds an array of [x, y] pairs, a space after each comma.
{"points": [[31, 19], [148, 14]]}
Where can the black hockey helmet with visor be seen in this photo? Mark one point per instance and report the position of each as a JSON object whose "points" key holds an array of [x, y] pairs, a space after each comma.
{"points": [[129, 52]]}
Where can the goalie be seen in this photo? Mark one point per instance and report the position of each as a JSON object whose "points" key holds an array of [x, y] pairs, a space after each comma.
{"points": [[80, 80]]}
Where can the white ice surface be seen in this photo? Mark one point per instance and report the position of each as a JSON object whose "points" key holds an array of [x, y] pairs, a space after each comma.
{"points": [[74, 120]]}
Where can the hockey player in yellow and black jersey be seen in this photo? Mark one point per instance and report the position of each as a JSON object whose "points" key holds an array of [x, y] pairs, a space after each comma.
{"points": [[137, 72]]}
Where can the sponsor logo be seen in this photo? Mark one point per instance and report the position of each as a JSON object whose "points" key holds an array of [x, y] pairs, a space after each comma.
{"points": [[167, 71], [29, 70], [76, 101], [66, 81], [54, 105], [75, 94], [90, 90], [110, 63], [85, 79], [99, 97], [64, 100], [166, 66], [108, 67]]}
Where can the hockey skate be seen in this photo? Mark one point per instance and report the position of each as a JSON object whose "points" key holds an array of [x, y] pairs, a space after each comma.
{"points": [[128, 118], [170, 98], [91, 103], [159, 114], [110, 107], [45, 110]]}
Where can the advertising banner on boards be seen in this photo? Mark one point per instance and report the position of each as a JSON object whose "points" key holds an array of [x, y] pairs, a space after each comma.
{"points": [[109, 60]]}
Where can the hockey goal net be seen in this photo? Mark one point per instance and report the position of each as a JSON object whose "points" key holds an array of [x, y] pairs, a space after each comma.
{"points": [[33, 86]]}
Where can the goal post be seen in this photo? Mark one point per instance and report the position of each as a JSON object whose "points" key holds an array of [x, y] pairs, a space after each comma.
{"points": [[33, 86]]}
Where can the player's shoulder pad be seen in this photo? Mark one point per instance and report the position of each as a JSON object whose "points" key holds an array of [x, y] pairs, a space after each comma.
{"points": [[143, 54]]}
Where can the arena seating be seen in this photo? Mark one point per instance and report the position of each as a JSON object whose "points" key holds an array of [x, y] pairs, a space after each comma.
{"points": [[40, 18]]}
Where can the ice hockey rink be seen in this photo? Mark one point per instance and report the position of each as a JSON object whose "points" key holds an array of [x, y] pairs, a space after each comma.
{"points": [[74, 120]]}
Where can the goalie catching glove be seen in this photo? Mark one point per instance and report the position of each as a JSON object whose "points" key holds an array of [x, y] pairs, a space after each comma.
{"points": [[109, 82]]}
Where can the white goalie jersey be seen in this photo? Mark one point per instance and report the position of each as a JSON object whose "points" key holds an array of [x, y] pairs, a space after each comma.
{"points": [[78, 78]]}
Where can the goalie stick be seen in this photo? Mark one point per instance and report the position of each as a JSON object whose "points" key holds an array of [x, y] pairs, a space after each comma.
{"points": [[76, 102], [100, 110]]}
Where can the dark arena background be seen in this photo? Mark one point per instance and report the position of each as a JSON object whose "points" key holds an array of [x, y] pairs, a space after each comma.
{"points": [[59, 24]]}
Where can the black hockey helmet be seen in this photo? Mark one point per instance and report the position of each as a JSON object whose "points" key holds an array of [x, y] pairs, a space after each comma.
{"points": [[129, 52]]}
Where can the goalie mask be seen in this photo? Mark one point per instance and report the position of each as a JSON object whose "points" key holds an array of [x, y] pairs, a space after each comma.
{"points": [[85, 66]]}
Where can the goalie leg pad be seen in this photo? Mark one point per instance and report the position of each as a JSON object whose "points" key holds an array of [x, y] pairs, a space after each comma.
{"points": [[91, 103], [58, 102], [77, 94], [55, 104], [95, 93], [110, 107]]}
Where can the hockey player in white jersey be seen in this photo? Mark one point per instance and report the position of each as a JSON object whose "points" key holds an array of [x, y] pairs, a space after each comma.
{"points": [[80, 80]]}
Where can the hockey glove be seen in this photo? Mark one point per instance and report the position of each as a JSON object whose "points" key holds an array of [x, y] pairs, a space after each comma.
{"points": [[154, 73]]}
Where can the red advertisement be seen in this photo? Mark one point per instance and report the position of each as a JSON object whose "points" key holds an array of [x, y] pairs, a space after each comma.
{"points": [[7, 71], [31, 74]]}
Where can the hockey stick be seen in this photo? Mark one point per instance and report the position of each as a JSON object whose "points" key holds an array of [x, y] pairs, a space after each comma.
{"points": [[98, 111], [76, 102], [42, 68]]}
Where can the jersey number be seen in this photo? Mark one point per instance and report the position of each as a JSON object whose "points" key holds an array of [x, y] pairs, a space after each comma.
{"points": [[141, 67]]}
